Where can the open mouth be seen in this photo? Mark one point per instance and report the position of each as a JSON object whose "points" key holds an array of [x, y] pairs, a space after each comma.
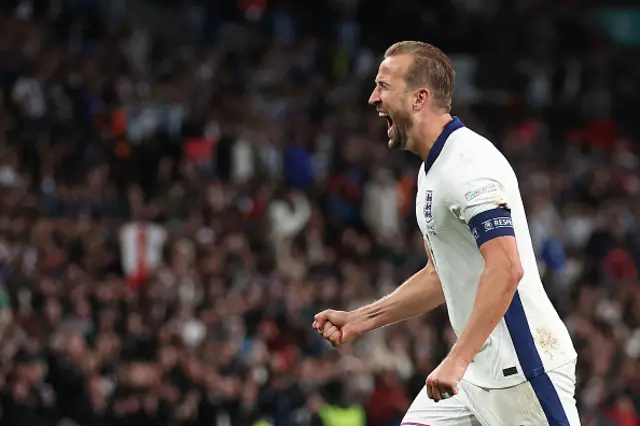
{"points": [[388, 118]]}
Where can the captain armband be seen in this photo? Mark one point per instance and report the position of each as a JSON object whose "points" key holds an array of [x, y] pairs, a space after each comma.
{"points": [[491, 224]]}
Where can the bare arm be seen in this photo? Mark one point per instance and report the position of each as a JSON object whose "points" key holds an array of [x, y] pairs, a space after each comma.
{"points": [[498, 284], [418, 295]]}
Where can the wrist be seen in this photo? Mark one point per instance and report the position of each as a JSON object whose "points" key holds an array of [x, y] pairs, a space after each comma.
{"points": [[361, 319], [460, 356]]}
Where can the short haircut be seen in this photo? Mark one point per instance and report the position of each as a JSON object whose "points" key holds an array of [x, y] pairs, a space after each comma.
{"points": [[431, 69]]}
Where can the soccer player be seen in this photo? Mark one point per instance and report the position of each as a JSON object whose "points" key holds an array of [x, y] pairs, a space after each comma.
{"points": [[513, 363]]}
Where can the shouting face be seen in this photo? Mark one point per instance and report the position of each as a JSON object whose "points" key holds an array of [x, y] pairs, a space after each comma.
{"points": [[393, 100]]}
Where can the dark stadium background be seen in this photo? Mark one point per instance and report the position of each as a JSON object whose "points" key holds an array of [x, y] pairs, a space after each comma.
{"points": [[232, 141]]}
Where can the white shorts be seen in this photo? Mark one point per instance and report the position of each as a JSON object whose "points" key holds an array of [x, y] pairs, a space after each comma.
{"points": [[545, 400]]}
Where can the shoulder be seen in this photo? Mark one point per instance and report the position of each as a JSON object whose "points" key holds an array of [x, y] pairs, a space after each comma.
{"points": [[476, 170], [472, 148], [471, 155]]}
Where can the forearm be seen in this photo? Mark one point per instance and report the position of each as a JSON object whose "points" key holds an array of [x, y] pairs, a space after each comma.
{"points": [[419, 294], [495, 292]]}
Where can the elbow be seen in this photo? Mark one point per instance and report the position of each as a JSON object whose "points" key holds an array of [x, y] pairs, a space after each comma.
{"points": [[508, 274], [514, 273], [517, 273]]}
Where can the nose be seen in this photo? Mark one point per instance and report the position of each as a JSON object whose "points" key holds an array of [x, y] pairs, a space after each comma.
{"points": [[375, 97]]}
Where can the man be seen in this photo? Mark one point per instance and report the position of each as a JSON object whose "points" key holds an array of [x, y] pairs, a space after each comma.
{"points": [[513, 363]]}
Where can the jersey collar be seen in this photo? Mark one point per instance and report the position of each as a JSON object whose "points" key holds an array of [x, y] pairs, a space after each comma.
{"points": [[436, 149]]}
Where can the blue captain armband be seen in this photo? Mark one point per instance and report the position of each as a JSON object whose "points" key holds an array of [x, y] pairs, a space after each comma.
{"points": [[491, 224]]}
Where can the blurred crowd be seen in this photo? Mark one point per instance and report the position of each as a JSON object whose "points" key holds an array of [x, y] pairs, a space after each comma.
{"points": [[183, 185]]}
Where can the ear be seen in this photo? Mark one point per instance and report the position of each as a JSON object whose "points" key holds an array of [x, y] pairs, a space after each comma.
{"points": [[421, 99]]}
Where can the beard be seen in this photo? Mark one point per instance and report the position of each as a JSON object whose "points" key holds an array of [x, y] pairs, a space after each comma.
{"points": [[399, 132], [395, 141]]}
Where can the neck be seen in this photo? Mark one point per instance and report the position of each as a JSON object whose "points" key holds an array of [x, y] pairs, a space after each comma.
{"points": [[428, 131]]}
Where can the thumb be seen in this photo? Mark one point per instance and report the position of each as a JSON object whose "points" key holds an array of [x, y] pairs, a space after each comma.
{"points": [[348, 334]]}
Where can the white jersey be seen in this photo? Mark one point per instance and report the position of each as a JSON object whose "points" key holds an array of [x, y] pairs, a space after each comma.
{"points": [[467, 195]]}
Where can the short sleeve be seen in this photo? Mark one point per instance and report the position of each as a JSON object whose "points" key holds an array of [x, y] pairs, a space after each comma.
{"points": [[478, 196]]}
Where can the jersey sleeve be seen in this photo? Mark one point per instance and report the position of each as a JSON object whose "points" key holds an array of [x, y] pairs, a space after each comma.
{"points": [[477, 195]]}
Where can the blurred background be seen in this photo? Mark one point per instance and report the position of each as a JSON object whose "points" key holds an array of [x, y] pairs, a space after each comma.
{"points": [[184, 184]]}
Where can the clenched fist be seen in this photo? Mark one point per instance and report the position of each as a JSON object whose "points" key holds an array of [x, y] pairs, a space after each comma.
{"points": [[338, 327], [443, 382]]}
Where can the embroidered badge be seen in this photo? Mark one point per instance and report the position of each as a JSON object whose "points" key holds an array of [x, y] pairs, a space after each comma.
{"points": [[428, 216], [489, 188]]}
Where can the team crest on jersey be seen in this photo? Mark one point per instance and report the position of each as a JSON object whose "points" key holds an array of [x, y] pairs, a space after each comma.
{"points": [[428, 201]]}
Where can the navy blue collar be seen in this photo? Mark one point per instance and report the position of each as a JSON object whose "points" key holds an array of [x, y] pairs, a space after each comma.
{"points": [[436, 149]]}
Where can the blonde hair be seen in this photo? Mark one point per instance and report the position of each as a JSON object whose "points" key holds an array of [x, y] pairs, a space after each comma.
{"points": [[431, 69]]}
